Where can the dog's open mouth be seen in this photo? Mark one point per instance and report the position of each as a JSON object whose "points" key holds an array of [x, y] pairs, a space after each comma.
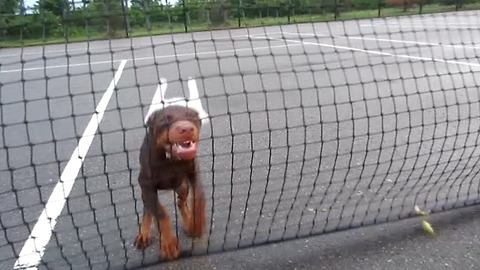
{"points": [[185, 149], [187, 144]]}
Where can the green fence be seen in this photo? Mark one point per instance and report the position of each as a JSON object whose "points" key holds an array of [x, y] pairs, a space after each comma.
{"points": [[27, 22]]}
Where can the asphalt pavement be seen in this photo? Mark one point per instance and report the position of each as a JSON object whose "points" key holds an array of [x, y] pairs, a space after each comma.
{"points": [[395, 245], [312, 128]]}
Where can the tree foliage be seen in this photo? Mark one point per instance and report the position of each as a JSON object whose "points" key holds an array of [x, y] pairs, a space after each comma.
{"points": [[64, 18], [55, 7]]}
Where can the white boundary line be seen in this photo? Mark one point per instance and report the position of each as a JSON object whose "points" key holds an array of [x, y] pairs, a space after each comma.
{"points": [[147, 58], [155, 104], [385, 40], [193, 101], [421, 25], [374, 52], [34, 248], [89, 49], [62, 66]]}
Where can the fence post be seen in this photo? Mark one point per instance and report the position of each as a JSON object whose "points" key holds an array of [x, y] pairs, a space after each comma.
{"points": [[420, 7], [335, 10], [379, 7], [125, 21], [184, 16], [288, 10], [239, 3], [460, 4]]}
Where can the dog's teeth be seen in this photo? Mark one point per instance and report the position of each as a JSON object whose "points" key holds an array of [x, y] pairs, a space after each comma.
{"points": [[186, 144]]}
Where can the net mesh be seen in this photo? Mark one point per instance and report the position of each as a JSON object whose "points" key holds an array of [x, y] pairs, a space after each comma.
{"points": [[312, 124]]}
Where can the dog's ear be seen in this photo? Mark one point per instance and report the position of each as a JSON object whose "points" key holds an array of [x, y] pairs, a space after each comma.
{"points": [[165, 121], [150, 120], [159, 121], [149, 124], [199, 121], [194, 116]]}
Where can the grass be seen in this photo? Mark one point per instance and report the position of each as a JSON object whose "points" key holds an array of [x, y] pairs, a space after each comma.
{"points": [[165, 28]]}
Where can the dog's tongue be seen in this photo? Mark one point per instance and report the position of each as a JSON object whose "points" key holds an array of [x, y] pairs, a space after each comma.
{"points": [[185, 150]]}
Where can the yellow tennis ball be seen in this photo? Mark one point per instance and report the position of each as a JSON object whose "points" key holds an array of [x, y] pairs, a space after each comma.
{"points": [[428, 228]]}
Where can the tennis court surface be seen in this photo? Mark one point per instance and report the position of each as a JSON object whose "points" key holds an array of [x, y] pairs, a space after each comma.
{"points": [[308, 129]]}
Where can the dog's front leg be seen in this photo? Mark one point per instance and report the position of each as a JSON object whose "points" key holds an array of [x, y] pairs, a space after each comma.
{"points": [[169, 245], [197, 222]]}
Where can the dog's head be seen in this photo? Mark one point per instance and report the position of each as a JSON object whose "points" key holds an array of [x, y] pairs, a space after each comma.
{"points": [[175, 130]]}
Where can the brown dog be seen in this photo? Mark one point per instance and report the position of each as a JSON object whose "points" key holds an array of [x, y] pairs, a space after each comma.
{"points": [[167, 162]]}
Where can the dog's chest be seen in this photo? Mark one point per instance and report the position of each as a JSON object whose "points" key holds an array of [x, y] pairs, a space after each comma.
{"points": [[170, 178]]}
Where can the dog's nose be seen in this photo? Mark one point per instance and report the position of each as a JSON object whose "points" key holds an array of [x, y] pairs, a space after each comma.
{"points": [[185, 128]]}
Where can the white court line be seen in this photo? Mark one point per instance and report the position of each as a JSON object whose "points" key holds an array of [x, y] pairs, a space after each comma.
{"points": [[63, 66], [89, 49], [376, 52], [66, 50], [34, 248], [147, 58], [389, 40], [433, 25], [418, 22], [193, 101], [157, 98]]}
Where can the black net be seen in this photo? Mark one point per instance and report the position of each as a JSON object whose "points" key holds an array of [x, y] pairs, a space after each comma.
{"points": [[312, 123]]}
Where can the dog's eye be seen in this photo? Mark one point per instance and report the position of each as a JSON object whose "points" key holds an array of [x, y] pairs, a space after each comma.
{"points": [[169, 118], [161, 128]]}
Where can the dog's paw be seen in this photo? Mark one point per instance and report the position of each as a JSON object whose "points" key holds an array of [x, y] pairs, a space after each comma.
{"points": [[142, 241], [169, 247]]}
